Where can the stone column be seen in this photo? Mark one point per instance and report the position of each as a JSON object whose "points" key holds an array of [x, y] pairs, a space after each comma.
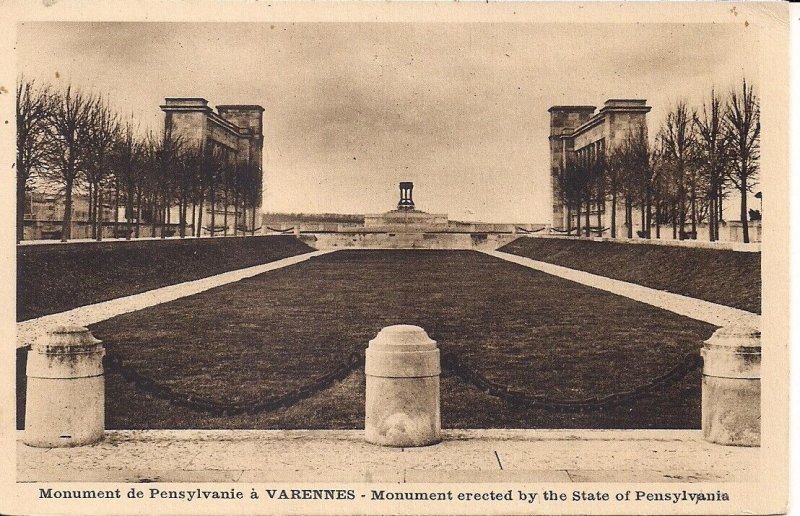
{"points": [[731, 398], [65, 401], [402, 399]]}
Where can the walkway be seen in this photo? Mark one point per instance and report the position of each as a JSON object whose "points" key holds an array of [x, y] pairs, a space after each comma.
{"points": [[29, 331], [343, 456], [712, 313]]}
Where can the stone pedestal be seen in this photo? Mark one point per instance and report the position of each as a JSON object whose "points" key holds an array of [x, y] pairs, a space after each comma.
{"points": [[65, 403], [731, 399], [402, 399]]}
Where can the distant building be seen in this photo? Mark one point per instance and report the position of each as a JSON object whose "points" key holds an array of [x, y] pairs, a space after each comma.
{"points": [[235, 129], [578, 133], [44, 213]]}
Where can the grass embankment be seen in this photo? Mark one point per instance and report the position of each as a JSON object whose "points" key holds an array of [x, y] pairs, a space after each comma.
{"points": [[58, 277], [721, 276], [270, 334]]}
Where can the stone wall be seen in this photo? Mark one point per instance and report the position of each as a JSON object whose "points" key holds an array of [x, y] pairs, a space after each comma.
{"points": [[408, 240]]}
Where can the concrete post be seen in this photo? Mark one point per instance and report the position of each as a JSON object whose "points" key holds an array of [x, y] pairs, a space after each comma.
{"points": [[731, 399], [402, 370], [65, 403]]}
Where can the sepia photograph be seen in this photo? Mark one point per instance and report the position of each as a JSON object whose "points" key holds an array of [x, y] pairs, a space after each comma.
{"points": [[396, 258]]}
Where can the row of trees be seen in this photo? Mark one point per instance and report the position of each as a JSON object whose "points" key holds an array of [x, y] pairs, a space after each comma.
{"points": [[73, 141], [697, 159]]}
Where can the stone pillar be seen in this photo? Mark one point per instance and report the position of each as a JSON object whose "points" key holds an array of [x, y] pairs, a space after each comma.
{"points": [[731, 399], [65, 403], [402, 402]]}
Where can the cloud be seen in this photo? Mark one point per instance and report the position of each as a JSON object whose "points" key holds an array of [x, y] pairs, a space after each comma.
{"points": [[353, 108]]}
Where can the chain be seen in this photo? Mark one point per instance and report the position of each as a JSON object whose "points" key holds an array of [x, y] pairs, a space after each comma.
{"points": [[690, 363], [113, 363], [280, 230]]}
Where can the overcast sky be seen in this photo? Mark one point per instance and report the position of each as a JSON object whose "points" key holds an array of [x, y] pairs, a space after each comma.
{"points": [[352, 109]]}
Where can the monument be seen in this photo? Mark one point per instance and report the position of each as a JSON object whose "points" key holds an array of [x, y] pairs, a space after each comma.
{"points": [[406, 218]]}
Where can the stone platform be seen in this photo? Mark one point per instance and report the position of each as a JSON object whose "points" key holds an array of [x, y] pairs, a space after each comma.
{"points": [[529, 456]]}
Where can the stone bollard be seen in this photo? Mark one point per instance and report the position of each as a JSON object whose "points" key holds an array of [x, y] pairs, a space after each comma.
{"points": [[402, 369], [731, 406], [65, 404]]}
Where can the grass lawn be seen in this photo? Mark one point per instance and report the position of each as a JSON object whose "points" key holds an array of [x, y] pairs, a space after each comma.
{"points": [[721, 276], [58, 277], [271, 333]]}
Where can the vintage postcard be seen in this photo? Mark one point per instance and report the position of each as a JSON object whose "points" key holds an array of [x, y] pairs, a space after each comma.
{"points": [[395, 258]]}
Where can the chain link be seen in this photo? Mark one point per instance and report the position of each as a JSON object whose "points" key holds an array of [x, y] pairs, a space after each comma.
{"points": [[280, 230], [690, 363], [450, 362], [113, 363]]}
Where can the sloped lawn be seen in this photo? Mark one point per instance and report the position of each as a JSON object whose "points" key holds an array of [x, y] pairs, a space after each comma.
{"points": [[726, 277], [270, 334]]}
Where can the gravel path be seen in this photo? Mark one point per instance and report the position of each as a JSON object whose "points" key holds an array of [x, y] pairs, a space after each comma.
{"points": [[713, 313], [32, 330]]}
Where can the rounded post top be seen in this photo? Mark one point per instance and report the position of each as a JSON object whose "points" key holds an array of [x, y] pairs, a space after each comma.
{"points": [[68, 339], [736, 337], [403, 337]]}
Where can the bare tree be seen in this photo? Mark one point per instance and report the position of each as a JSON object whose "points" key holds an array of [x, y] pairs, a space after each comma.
{"points": [[102, 132], [32, 110], [713, 157], [68, 118], [679, 146], [127, 162], [743, 130], [614, 179]]}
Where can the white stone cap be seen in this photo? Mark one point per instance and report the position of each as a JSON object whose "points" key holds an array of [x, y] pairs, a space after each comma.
{"points": [[402, 351], [738, 337], [67, 339], [733, 352], [70, 352]]}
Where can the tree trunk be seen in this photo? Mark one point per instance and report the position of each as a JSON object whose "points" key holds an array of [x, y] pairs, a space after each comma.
{"points": [[657, 202], [116, 207], [588, 210], [568, 226], [225, 216], [66, 223], [128, 212], [743, 205], [643, 217], [138, 211], [694, 215], [166, 220], [629, 216], [200, 215], [578, 220], [153, 214], [614, 214], [98, 214], [213, 204], [90, 213], [20, 211], [253, 230], [599, 216], [235, 212], [712, 216]]}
